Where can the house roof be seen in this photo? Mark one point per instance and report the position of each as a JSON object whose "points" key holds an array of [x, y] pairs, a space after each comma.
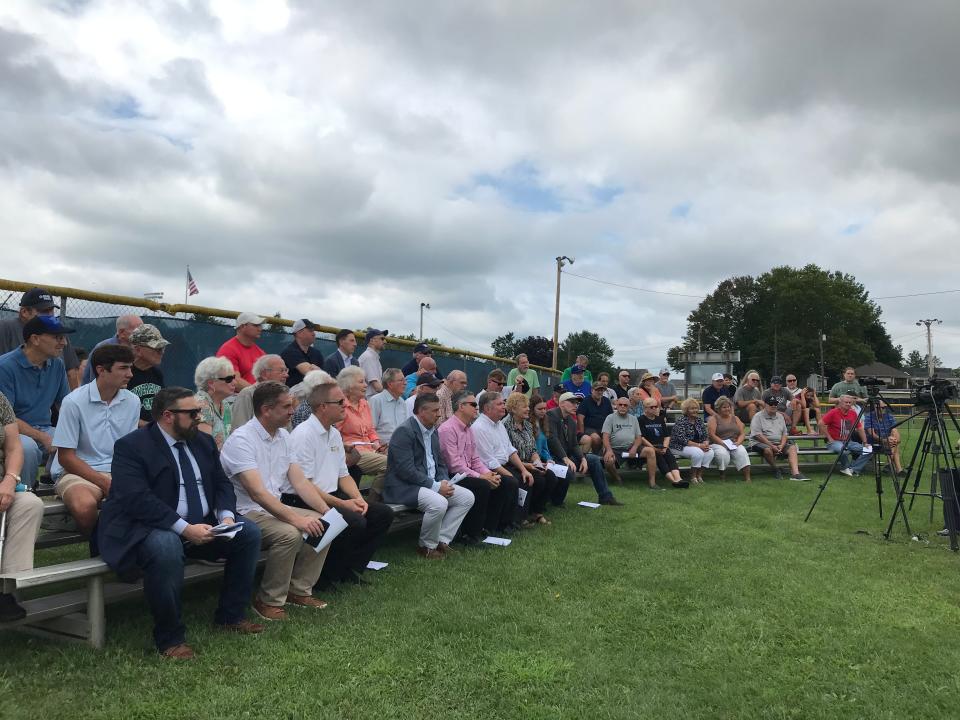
{"points": [[879, 369]]}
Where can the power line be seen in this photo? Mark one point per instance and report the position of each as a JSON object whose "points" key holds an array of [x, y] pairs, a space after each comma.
{"points": [[938, 292], [631, 287]]}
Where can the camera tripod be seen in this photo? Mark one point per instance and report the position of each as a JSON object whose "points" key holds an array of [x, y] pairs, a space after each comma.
{"points": [[875, 404], [933, 442]]}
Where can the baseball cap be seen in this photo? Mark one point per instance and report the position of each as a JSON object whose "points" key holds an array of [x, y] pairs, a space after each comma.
{"points": [[776, 379], [297, 325], [44, 325], [558, 388], [577, 370], [249, 318], [716, 376], [772, 400], [572, 397], [373, 332], [38, 298], [148, 336], [664, 371], [423, 348], [429, 379]]}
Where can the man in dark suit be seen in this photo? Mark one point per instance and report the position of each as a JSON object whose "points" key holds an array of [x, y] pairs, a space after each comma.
{"points": [[168, 491], [417, 477], [343, 355]]}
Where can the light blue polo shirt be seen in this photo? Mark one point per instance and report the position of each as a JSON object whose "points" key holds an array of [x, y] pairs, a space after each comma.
{"points": [[32, 390], [90, 426]]}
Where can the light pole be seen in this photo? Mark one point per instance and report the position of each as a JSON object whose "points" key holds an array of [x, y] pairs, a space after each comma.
{"points": [[823, 380], [928, 323], [422, 306], [556, 310]]}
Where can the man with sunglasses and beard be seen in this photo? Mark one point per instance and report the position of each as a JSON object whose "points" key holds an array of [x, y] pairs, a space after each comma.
{"points": [[168, 491]]}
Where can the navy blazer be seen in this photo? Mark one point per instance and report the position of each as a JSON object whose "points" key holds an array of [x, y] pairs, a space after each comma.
{"points": [[407, 464], [333, 363], [145, 491]]}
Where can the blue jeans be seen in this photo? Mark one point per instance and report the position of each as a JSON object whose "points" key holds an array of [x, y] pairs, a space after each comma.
{"points": [[854, 447], [599, 477], [34, 457], [161, 557]]}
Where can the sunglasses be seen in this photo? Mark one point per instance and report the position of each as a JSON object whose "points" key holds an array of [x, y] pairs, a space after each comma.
{"points": [[498, 383], [194, 413], [470, 403], [333, 402], [228, 378]]}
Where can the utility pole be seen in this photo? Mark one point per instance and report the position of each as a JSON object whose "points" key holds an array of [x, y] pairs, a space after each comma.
{"points": [[928, 323], [556, 309], [823, 379], [422, 306], [699, 331]]}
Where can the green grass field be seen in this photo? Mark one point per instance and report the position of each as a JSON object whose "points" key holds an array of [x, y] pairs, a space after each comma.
{"points": [[716, 602]]}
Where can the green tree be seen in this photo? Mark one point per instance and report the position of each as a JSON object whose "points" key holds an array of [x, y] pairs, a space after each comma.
{"points": [[414, 338], [504, 346], [590, 344], [209, 319], [915, 360], [538, 349]]}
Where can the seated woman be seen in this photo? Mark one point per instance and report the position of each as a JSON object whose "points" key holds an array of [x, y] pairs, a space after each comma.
{"points": [[689, 438], [520, 431], [811, 408], [215, 379], [881, 431], [648, 388], [724, 427], [656, 435], [538, 421], [636, 402]]}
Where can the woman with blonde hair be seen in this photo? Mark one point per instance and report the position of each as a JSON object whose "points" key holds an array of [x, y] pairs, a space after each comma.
{"points": [[689, 438]]}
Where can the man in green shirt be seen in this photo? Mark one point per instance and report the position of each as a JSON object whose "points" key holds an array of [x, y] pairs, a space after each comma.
{"points": [[847, 386], [524, 370]]}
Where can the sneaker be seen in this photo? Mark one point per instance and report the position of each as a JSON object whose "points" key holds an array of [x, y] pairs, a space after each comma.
{"points": [[847, 471], [799, 478], [429, 553], [657, 488], [10, 609], [305, 601], [943, 533], [269, 612]]}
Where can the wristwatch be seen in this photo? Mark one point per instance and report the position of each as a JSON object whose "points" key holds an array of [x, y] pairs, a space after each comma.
{"points": [[10, 474]]}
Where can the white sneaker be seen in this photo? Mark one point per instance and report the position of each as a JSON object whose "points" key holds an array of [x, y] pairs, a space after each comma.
{"points": [[848, 472]]}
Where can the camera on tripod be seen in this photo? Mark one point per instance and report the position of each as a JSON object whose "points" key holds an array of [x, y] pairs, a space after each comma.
{"points": [[935, 392], [873, 385]]}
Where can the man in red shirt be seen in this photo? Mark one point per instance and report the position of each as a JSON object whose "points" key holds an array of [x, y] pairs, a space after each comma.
{"points": [[242, 350], [836, 427]]}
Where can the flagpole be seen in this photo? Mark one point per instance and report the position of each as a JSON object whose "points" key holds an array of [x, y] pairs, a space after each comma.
{"points": [[186, 286]]}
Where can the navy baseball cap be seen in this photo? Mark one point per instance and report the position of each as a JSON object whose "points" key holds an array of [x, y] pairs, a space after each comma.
{"points": [[423, 348], [38, 298], [44, 325]]}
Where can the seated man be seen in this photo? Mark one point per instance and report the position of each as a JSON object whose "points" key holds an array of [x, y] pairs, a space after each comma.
{"points": [[496, 382], [357, 429], [167, 492], [881, 430], [838, 424], [656, 436], [577, 383], [148, 348], [388, 408], [565, 448], [524, 370], [622, 388], [259, 459], [267, 368], [426, 383], [456, 382], [497, 453], [603, 379], [23, 511], [300, 356], [668, 391], [591, 412], [342, 357], [848, 386], [621, 434], [782, 396], [554, 401], [34, 302], [33, 379], [427, 366], [748, 399], [242, 350], [126, 324], [795, 405], [459, 449], [417, 478], [92, 418], [710, 395], [319, 451], [768, 437]]}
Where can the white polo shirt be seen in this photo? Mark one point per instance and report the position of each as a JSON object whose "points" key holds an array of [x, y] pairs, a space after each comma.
{"points": [[250, 447], [319, 452]]}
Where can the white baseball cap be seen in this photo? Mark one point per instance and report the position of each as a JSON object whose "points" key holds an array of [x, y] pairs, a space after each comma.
{"points": [[249, 318]]}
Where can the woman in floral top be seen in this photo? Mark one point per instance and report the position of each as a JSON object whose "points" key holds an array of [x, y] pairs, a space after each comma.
{"points": [[215, 380], [520, 432], [689, 438]]}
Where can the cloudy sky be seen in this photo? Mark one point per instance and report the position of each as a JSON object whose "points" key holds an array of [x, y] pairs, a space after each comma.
{"points": [[346, 161]]}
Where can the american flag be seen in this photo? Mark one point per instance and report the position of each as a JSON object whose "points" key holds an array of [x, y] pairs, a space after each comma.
{"points": [[192, 288]]}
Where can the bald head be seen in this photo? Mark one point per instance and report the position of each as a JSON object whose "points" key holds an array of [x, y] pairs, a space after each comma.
{"points": [[456, 381], [427, 364]]}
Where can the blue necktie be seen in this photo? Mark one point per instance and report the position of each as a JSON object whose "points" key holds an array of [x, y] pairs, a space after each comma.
{"points": [[194, 503]]}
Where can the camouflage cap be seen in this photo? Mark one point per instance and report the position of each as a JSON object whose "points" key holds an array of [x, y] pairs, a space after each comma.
{"points": [[148, 336]]}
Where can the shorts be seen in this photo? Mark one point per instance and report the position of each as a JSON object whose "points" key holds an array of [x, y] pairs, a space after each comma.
{"points": [[758, 448], [68, 480]]}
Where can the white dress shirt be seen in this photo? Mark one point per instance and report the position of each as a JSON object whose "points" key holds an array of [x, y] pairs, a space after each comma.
{"points": [[180, 525], [493, 443]]}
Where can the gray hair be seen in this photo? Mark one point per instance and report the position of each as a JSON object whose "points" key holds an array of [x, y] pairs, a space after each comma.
{"points": [[391, 374], [457, 400], [632, 392], [211, 368], [349, 376], [486, 398], [311, 380], [125, 322], [261, 365]]}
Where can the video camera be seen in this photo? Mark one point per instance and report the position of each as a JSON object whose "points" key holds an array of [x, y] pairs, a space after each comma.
{"points": [[872, 385], [935, 392]]}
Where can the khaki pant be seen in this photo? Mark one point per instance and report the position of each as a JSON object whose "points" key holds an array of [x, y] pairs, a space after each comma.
{"points": [[374, 463], [292, 566], [68, 481], [23, 524]]}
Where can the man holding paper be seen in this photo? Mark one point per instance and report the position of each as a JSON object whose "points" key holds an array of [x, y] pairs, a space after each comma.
{"points": [[417, 477], [318, 449], [259, 459], [622, 440], [167, 495]]}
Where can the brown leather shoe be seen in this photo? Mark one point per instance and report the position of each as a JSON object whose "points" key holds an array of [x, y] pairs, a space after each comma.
{"points": [[179, 652], [430, 554], [269, 612], [445, 549], [305, 601], [244, 627]]}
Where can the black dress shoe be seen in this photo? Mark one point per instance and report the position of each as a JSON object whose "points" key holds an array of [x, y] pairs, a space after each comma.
{"points": [[10, 609], [325, 585], [352, 578], [610, 501]]}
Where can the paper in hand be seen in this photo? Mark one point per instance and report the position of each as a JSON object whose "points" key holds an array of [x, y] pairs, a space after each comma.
{"points": [[458, 477], [521, 496], [559, 470], [333, 524]]}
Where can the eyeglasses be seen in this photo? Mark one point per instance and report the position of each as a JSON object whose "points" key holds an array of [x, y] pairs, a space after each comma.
{"points": [[228, 378], [791, 379], [194, 413], [472, 403], [333, 402], [498, 383]]}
